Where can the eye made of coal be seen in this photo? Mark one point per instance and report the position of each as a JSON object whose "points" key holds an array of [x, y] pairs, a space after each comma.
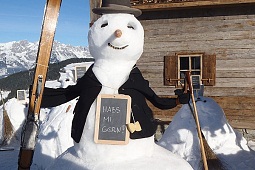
{"points": [[131, 27], [104, 25]]}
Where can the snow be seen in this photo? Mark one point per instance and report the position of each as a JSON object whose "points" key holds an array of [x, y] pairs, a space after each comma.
{"points": [[228, 145], [5, 94], [180, 137]]}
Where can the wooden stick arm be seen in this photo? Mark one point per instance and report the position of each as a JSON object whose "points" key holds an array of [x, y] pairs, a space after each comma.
{"points": [[195, 114], [188, 79]]}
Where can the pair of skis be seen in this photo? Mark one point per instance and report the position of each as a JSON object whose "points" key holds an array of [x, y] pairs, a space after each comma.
{"points": [[31, 126]]}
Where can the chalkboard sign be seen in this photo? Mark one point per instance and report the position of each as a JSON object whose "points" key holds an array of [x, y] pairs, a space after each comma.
{"points": [[79, 72], [112, 116], [195, 82], [21, 95]]}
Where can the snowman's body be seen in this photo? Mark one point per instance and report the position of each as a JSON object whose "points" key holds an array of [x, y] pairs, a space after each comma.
{"points": [[116, 43]]}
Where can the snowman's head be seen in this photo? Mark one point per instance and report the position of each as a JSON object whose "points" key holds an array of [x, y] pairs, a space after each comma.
{"points": [[116, 37]]}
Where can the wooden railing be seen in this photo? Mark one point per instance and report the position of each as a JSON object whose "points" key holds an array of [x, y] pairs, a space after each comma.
{"points": [[163, 4]]}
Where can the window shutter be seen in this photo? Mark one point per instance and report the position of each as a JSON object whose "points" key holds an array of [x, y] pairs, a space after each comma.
{"points": [[170, 70], [209, 70]]}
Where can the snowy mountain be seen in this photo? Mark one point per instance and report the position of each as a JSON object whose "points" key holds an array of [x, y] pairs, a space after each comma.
{"points": [[18, 56]]}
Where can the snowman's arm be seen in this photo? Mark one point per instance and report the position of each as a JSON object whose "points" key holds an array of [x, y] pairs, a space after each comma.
{"points": [[160, 102], [142, 85], [54, 97]]}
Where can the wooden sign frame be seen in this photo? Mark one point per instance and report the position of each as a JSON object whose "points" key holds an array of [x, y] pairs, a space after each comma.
{"points": [[114, 110], [196, 81], [23, 95], [77, 72]]}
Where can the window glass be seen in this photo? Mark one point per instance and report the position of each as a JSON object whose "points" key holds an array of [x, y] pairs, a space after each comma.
{"points": [[195, 62], [184, 63], [182, 76]]}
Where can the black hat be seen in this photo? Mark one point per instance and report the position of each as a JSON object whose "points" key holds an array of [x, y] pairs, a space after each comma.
{"points": [[116, 6]]}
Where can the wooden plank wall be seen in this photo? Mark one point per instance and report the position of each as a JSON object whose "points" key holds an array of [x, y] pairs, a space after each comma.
{"points": [[163, 4], [230, 37], [239, 111]]}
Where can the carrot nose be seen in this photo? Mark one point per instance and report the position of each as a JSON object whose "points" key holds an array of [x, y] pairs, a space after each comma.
{"points": [[118, 33]]}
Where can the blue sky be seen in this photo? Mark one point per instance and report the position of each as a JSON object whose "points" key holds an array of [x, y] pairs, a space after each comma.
{"points": [[22, 20]]}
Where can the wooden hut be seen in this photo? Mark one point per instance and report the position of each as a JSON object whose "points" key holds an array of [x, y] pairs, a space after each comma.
{"points": [[212, 38]]}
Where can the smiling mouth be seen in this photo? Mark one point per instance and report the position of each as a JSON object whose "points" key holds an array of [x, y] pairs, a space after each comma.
{"points": [[117, 48]]}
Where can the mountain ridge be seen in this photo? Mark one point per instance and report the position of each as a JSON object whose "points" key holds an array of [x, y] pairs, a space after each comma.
{"points": [[21, 55]]}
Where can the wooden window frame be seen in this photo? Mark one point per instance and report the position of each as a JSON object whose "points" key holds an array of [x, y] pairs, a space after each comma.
{"points": [[208, 69], [190, 67]]}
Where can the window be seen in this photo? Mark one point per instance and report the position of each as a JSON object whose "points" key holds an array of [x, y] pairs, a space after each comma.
{"points": [[198, 64], [189, 63]]}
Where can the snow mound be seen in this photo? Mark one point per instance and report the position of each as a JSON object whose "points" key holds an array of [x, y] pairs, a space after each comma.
{"points": [[229, 146]]}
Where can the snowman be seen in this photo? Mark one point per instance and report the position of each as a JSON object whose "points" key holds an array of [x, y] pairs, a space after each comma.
{"points": [[116, 42]]}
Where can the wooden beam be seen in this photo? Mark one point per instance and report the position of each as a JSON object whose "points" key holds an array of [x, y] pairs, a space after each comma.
{"points": [[94, 4], [186, 4], [242, 125]]}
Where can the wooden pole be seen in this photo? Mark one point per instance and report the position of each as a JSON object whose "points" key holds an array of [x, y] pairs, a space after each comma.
{"points": [[197, 121], [31, 126], [94, 4]]}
